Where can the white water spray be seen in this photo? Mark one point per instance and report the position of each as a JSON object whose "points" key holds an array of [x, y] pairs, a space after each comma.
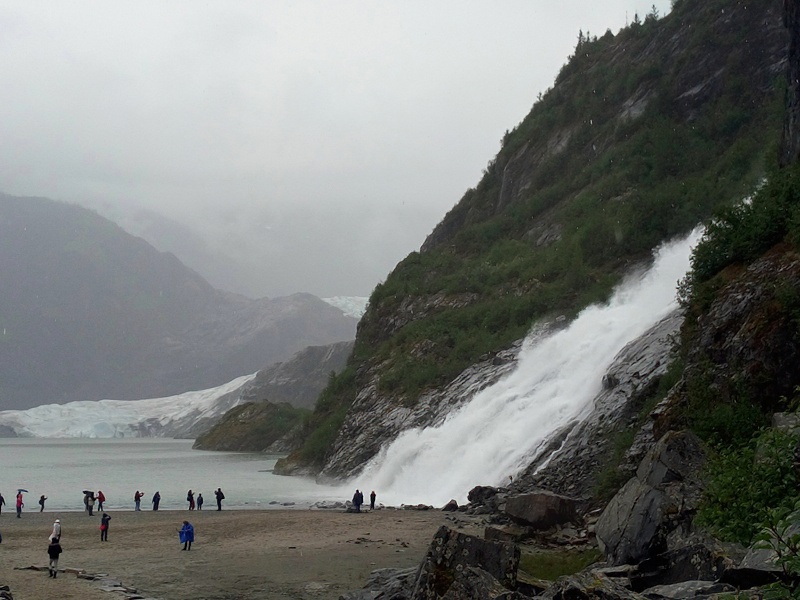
{"points": [[504, 426]]}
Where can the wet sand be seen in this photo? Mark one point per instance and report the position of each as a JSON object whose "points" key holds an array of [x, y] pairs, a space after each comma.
{"points": [[243, 554]]}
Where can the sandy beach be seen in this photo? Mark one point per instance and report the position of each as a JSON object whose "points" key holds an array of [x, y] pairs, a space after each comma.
{"points": [[243, 554]]}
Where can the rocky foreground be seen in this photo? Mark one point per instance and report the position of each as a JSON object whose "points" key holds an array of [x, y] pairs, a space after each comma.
{"points": [[651, 548]]}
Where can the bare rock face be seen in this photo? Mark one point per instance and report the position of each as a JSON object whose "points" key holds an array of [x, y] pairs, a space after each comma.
{"points": [[572, 464], [748, 334], [790, 144]]}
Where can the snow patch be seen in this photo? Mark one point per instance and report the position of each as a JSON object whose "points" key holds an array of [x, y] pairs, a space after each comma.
{"points": [[352, 306]]}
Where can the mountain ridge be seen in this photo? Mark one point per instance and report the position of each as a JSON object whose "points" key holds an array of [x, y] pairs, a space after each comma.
{"points": [[88, 311]]}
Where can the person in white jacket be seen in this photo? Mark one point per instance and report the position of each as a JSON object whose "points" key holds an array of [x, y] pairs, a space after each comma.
{"points": [[56, 535]]}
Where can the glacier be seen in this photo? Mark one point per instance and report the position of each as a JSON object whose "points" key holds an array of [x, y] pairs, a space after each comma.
{"points": [[171, 416], [351, 306], [179, 416]]}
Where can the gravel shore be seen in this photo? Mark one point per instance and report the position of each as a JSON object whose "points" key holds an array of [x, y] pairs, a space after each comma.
{"points": [[237, 554]]}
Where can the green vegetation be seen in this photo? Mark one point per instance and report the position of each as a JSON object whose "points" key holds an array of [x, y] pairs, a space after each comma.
{"points": [[782, 535], [322, 426], [746, 482], [550, 565], [751, 475], [611, 161], [252, 427], [743, 232]]}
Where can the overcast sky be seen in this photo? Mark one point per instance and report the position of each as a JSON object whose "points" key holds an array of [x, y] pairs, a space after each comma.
{"points": [[276, 146]]}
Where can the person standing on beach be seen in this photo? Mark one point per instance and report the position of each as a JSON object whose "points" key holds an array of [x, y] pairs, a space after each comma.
{"points": [[42, 498], [156, 500], [104, 527], [190, 499], [53, 550], [200, 501], [137, 500], [372, 500], [358, 500], [220, 497], [88, 501], [56, 535], [20, 504], [2, 502], [186, 535], [100, 499]]}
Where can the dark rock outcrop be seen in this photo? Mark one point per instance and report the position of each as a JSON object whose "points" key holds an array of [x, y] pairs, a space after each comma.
{"points": [[451, 555], [588, 586], [689, 589]]}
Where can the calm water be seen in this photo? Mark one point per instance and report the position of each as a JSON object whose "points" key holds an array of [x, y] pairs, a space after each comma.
{"points": [[61, 469]]}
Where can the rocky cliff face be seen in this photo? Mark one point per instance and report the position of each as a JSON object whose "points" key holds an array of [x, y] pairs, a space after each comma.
{"points": [[363, 435], [790, 145], [697, 67], [700, 69], [299, 380]]}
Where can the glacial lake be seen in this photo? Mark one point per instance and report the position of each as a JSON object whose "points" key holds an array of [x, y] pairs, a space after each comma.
{"points": [[62, 468]]}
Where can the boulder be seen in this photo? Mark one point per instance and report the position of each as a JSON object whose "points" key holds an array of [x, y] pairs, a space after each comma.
{"points": [[451, 552], [451, 506], [481, 493], [476, 584], [660, 499], [588, 586], [628, 529], [689, 589], [758, 567], [541, 509], [677, 457], [397, 584], [506, 533], [698, 562]]}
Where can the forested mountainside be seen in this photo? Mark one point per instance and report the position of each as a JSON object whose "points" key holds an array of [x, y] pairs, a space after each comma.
{"points": [[643, 135], [88, 311]]}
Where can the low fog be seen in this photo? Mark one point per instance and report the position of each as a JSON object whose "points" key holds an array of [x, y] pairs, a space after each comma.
{"points": [[276, 147]]}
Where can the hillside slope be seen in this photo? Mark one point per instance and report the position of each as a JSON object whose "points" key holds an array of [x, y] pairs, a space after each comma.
{"points": [[644, 134], [88, 311]]}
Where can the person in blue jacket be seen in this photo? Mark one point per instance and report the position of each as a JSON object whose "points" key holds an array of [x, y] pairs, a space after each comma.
{"points": [[186, 535]]}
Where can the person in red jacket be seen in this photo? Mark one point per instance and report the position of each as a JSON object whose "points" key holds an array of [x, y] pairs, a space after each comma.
{"points": [[20, 504], [100, 499]]}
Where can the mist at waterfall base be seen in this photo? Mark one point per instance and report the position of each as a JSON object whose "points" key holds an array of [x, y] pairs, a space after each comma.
{"points": [[498, 433]]}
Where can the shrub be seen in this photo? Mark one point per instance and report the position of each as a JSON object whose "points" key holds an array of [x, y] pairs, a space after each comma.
{"points": [[745, 483]]}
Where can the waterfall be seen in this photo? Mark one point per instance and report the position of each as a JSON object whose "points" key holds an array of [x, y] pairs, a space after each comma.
{"points": [[498, 432]]}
